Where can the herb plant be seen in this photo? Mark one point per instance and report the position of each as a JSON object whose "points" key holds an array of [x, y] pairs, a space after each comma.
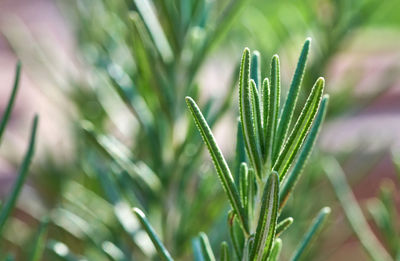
{"points": [[276, 152], [8, 206]]}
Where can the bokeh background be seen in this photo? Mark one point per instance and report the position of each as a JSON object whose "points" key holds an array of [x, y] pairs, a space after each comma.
{"points": [[78, 58]]}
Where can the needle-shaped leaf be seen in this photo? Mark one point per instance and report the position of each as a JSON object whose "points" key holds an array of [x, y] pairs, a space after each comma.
{"points": [[206, 247], [149, 17], [256, 105], [161, 250], [294, 174], [272, 114], [220, 164], [353, 211], [265, 232], [224, 252], [243, 183], [275, 251], [39, 242], [267, 121], [300, 130], [9, 205], [291, 100], [235, 234], [283, 225], [11, 100], [240, 151], [255, 70], [311, 233], [246, 113]]}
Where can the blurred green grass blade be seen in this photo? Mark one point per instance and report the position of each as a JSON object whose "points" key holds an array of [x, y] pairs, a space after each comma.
{"points": [[224, 252], [220, 164], [11, 100], [291, 100], [40, 241], [304, 153], [283, 225], [246, 115], [300, 130], [267, 121], [149, 17], [197, 252], [273, 112], [265, 232], [117, 151], [353, 211], [250, 193], [255, 70], [313, 230], [275, 251], [162, 251], [206, 247], [9, 205]]}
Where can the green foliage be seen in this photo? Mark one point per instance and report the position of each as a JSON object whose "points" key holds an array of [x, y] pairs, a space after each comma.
{"points": [[9, 205], [257, 234]]}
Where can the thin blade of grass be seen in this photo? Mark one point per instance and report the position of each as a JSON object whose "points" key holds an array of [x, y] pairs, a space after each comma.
{"points": [[11, 100], [206, 247], [161, 250], [220, 164], [9, 205], [353, 211], [311, 233], [304, 153], [300, 130], [291, 100], [265, 232], [246, 115]]}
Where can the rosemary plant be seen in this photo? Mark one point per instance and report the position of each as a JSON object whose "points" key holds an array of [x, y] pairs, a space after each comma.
{"points": [[8, 206], [276, 152]]}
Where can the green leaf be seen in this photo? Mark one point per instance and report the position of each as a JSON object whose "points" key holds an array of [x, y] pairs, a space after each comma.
{"points": [[39, 242], [283, 225], [267, 122], [220, 164], [304, 153], [246, 115], [311, 233], [300, 130], [275, 251], [244, 183], [9, 205], [256, 107], [291, 100], [206, 247], [162, 251], [255, 70], [273, 112], [153, 25], [353, 211], [235, 234], [224, 252], [240, 152], [11, 101], [265, 232]]}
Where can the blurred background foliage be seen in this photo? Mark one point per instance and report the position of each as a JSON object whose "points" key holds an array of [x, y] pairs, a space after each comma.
{"points": [[113, 76]]}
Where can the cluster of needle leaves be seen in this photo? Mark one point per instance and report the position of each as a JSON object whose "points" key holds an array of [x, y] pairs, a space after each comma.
{"points": [[276, 151], [8, 206]]}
